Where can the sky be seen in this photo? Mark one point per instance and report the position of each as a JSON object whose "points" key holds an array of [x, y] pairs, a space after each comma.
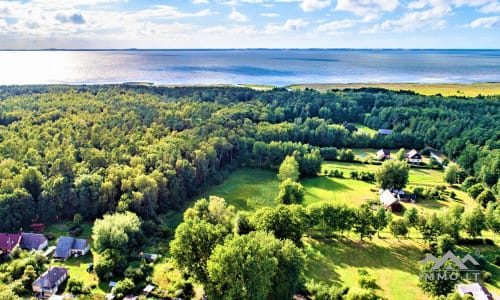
{"points": [[90, 24]]}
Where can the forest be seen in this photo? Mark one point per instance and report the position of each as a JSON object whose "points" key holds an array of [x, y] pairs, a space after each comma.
{"points": [[98, 149], [130, 154]]}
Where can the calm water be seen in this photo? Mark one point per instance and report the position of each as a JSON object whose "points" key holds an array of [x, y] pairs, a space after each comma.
{"points": [[275, 67]]}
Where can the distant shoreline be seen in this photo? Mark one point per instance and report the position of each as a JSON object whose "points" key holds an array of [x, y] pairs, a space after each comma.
{"points": [[428, 89]]}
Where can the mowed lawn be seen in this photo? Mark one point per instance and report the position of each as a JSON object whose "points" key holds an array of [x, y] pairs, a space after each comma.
{"points": [[248, 189]]}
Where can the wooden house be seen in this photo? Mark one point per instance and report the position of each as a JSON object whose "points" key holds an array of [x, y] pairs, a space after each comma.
{"points": [[67, 246], [413, 157], [389, 200], [383, 154]]}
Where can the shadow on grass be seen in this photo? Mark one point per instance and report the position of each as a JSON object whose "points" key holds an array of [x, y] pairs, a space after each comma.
{"points": [[327, 255]]}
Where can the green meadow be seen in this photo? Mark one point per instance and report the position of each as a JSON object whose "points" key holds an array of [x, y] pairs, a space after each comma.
{"points": [[336, 260]]}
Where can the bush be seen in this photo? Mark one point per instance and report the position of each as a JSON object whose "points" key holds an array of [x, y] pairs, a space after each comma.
{"points": [[445, 243], [136, 274], [487, 277], [367, 282], [124, 287], [76, 287], [475, 190]]}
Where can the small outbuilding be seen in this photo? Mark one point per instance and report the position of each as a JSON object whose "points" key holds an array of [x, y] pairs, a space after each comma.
{"points": [[413, 157], [389, 200], [383, 154]]}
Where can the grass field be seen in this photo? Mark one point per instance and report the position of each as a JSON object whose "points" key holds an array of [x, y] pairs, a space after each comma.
{"points": [[467, 90], [394, 264]]}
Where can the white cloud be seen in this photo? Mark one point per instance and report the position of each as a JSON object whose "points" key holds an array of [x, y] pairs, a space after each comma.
{"points": [[270, 15], [237, 16], [493, 7], [367, 7], [486, 22], [200, 1], [289, 25], [337, 25], [312, 5]]}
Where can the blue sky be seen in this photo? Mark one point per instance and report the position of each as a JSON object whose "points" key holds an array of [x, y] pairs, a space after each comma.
{"points": [[250, 24]]}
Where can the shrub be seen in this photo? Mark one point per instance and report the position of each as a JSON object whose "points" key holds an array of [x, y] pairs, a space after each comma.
{"points": [[124, 287], [76, 287], [487, 277], [367, 282]]}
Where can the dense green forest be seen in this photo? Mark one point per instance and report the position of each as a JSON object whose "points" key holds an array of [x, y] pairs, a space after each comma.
{"points": [[98, 149]]}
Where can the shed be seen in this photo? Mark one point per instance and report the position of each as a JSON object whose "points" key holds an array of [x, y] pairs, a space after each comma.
{"points": [[389, 200]]}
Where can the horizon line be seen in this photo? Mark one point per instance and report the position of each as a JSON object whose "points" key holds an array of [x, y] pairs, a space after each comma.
{"points": [[239, 49]]}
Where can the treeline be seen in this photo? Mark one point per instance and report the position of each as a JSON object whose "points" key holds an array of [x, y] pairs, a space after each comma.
{"points": [[98, 149]]}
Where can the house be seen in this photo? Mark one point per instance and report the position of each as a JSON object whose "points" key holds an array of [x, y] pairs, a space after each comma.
{"points": [[389, 200], [413, 157], [48, 283], [385, 131], [383, 154], [67, 246], [476, 290], [33, 241], [8, 241]]}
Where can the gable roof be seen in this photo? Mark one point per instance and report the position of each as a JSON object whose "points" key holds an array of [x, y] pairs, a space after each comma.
{"points": [[80, 244], [67, 243], [32, 240], [387, 198], [8, 241], [478, 291], [412, 153], [63, 247], [48, 280]]}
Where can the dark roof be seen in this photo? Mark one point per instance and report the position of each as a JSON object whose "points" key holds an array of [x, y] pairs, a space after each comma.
{"points": [[48, 279], [32, 240], [80, 244], [412, 153], [64, 246], [8, 241]]}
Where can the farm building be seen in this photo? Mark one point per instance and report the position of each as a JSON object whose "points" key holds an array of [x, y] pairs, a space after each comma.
{"points": [[67, 246], [383, 154], [389, 200], [48, 283], [33, 241], [413, 157]]}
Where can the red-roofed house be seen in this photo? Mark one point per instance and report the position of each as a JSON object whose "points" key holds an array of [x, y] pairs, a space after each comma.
{"points": [[8, 241]]}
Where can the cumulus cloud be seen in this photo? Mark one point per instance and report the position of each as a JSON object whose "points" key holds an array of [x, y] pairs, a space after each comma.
{"points": [[237, 16], [289, 25], [75, 18], [426, 19], [312, 5], [486, 22], [492, 7]]}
